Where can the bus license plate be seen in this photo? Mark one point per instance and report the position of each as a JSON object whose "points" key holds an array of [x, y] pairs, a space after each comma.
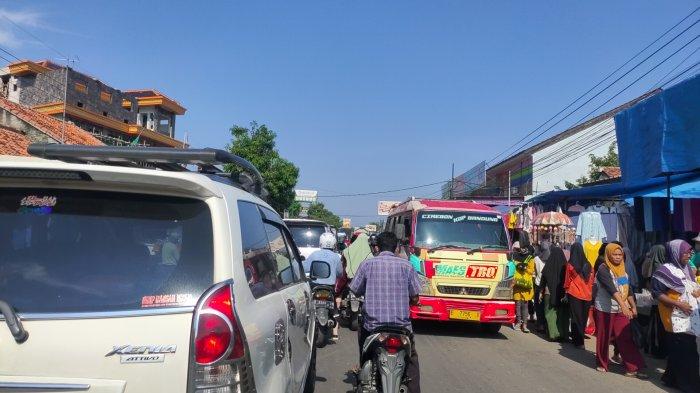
{"points": [[465, 315]]}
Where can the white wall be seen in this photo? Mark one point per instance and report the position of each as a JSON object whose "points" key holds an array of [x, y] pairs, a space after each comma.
{"points": [[568, 159]]}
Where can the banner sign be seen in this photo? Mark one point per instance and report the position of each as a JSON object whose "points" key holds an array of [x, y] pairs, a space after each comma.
{"points": [[305, 195], [384, 207]]}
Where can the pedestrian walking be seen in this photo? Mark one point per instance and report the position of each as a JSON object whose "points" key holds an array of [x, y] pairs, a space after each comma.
{"points": [[578, 284], [556, 307], [676, 290], [540, 260], [523, 290], [615, 307], [656, 333]]}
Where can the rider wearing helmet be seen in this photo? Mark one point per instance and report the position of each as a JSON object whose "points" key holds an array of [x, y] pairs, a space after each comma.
{"points": [[327, 254]]}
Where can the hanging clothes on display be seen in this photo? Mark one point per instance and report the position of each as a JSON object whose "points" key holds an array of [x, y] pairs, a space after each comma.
{"points": [[575, 209], [590, 226], [651, 214], [610, 225], [686, 215], [591, 248]]}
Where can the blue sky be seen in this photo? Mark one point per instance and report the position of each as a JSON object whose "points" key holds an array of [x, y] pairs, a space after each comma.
{"points": [[364, 96]]}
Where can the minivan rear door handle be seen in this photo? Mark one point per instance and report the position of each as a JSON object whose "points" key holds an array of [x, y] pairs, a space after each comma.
{"points": [[280, 341], [292, 310]]}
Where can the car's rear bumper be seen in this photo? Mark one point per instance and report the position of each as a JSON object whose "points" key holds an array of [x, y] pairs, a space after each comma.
{"points": [[438, 309]]}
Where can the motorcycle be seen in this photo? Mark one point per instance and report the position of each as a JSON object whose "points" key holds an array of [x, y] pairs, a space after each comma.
{"points": [[324, 303], [385, 354], [350, 309]]}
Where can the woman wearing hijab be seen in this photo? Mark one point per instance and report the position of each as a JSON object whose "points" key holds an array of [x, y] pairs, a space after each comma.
{"points": [[615, 307], [655, 258], [579, 288], [356, 253], [540, 260], [556, 311], [656, 340], [677, 292]]}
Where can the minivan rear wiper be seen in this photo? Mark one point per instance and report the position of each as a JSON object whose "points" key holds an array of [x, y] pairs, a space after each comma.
{"points": [[13, 322]]}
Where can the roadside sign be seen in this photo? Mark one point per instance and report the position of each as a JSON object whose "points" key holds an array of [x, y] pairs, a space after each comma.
{"points": [[305, 195], [371, 228], [347, 223]]}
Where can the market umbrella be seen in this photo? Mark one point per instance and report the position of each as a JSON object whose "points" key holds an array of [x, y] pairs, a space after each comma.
{"points": [[552, 219]]}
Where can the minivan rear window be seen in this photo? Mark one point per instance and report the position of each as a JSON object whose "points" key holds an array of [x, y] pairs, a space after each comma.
{"points": [[64, 251], [306, 235]]}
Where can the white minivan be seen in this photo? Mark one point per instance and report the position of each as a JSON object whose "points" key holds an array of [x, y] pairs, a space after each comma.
{"points": [[307, 234], [131, 273]]}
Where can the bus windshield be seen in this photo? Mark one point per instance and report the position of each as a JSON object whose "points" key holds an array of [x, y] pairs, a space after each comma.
{"points": [[460, 229]]}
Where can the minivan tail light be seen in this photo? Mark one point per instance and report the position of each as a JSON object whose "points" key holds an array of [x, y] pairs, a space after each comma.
{"points": [[218, 361], [217, 329]]}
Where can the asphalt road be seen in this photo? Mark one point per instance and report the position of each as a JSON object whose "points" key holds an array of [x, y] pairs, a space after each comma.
{"points": [[456, 357]]}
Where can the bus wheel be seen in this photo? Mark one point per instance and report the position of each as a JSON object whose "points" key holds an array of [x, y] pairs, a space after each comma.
{"points": [[491, 328]]}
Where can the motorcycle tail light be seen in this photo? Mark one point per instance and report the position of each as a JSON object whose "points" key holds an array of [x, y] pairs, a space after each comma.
{"points": [[322, 295], [393, 344]]}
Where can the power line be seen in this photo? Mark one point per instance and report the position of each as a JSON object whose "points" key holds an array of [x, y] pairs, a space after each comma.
{"points": [[680, 74], [8, 52], [677, 66], [4, 15], [642, 76], [603, 80], [611, 84], [382, 192]]}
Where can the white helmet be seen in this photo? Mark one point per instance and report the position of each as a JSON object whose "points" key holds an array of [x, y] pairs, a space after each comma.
{"points": [[327, 241]]}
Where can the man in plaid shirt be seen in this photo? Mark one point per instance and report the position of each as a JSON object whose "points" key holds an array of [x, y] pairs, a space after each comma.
{"points": [[389, 285]]}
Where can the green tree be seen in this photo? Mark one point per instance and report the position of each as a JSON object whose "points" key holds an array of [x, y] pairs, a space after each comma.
{"points": [[257, 145], [569, 185], [294, 209], [318, 211], [597, 162]]}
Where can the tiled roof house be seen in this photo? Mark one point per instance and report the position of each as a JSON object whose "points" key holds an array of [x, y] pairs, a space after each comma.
{"points": [[20, 126]]}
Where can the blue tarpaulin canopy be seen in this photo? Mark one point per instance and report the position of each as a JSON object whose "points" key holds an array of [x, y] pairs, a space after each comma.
{"points": [[661, 135], [682, 186]]}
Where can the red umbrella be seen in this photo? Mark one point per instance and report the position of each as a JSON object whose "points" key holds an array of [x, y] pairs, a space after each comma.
{"points": [[552, 219]]}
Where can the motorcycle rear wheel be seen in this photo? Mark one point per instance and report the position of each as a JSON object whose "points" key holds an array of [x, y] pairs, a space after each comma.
{"points": [[354, 323]]}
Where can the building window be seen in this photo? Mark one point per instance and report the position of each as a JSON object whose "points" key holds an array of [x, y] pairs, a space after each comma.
{"points": [[80, 104], [106, 97], [80, 87], [14, 87]]}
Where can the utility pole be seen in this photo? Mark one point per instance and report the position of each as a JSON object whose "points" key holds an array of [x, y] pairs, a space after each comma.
{"points": [[68, 60], [452, 181], [508, 190]]}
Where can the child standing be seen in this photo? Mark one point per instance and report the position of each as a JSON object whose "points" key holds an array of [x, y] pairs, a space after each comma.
{"points": [[523, 290]]}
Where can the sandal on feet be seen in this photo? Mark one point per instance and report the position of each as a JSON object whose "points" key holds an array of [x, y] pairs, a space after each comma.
{"points": [[600, 369], [638, 374]]}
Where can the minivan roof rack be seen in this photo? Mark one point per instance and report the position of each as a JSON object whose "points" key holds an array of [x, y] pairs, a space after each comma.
{"points": [[164, 158]]}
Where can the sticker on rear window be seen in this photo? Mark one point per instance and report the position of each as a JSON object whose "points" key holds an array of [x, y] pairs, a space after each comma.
{"points": [[175, 299], [33, 204]]}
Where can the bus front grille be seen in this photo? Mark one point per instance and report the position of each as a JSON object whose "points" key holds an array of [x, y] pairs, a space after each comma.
{"points": [[464, 291]]}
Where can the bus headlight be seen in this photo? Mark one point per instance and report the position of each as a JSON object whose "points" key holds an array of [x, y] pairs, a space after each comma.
{"points": [[504, 290], [425, 287]]}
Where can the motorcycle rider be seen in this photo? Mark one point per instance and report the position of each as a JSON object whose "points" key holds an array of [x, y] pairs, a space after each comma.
{"points": [[390, 285], [327, 243]]}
